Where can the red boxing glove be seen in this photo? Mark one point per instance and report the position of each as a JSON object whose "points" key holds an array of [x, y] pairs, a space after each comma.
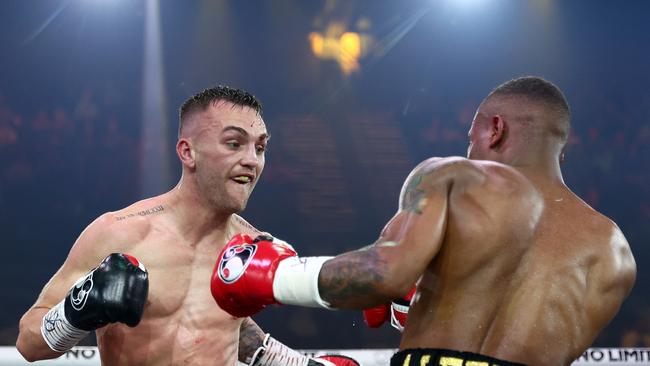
{"points": [[376, 316], [337, 360], [242, 280], [399, 310], [250, 274]]}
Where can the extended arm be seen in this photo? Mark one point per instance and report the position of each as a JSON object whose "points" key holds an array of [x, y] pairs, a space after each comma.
{"points": [[251, 274], [411, 239], [389, 268]]}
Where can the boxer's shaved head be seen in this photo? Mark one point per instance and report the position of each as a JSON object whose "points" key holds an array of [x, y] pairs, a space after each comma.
{"points": [[202, 100]]}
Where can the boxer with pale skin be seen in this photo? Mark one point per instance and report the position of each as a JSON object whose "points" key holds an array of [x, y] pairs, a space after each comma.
{"points": [[171, 241], [511, 266]]}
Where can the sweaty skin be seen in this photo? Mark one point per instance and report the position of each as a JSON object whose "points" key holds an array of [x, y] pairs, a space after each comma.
{"points": [[508, 261], [507, 268], [181, 323], [177, 236]]}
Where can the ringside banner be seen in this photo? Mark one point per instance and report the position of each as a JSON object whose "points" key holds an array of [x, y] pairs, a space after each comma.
{"points": [[89, 356]]}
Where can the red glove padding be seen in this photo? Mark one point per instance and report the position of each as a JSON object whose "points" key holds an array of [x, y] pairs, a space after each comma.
{"points": [[242, 280], [399, 310], [337, 360], [376, 316]]}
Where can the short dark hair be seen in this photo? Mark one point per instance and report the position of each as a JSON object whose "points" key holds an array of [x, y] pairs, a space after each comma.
{"points": [[205, 98], [537, 89]]}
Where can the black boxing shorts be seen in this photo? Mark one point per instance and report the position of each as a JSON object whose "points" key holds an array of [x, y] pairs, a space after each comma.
{"points": [[444, 357]]}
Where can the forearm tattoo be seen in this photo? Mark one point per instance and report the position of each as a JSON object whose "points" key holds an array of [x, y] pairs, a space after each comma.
{"points": [[251, 338], [352, 276]]}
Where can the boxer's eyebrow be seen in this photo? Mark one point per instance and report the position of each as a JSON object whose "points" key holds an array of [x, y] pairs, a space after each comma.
{"points": [[235, 128], [243, 132], [264, 137]]}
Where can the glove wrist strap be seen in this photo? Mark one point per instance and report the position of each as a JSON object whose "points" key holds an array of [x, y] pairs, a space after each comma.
{"points": [[274, 353], [57, 331], [296, 282]]}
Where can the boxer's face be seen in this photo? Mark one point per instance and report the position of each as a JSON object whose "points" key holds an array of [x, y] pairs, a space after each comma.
{"points": [[229, 154]]}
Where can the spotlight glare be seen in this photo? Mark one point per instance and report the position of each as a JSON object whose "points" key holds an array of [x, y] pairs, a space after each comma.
{"points": [[467, 3]]}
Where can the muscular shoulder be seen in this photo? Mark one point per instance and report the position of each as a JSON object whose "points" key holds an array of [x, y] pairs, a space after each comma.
{"points": [[611, 275], [462, 170], [620, 248], [598, 231], [117, 231], [463, 174], [429, 173], [616, 261]]}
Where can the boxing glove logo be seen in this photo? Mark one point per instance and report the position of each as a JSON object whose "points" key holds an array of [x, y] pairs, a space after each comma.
{"points": [[80, 291], [234, 262], [50, 320]]}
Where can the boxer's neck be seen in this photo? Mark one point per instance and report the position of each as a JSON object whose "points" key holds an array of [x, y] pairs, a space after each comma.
{"points": [[544, 177], [194, 220]]}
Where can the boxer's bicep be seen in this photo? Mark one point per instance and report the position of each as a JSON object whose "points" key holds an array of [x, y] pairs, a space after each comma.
{"points": [[414, 236], [410, 242], [389, 268]]}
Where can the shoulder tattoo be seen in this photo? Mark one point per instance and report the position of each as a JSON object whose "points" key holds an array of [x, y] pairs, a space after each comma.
{"points": [[149, 211], [414, 196], [246, 224]]}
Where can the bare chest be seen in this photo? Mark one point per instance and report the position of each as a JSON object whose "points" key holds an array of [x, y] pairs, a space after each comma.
{"points": [[179, 280], [181, 323]]}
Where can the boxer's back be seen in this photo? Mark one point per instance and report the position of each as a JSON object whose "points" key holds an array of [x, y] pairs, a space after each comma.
{"points": [[520, 274]]}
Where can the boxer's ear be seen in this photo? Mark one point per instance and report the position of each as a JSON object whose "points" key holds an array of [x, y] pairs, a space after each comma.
{"points": [[185, 152], [498, 129]]}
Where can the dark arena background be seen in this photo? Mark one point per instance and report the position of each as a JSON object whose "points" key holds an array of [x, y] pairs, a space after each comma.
{"points": [[355, 94]]}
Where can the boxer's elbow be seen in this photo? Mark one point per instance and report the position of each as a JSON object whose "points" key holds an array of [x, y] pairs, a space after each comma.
{"points": [[30, 343], [387, 278], [398, 281], [24, 348], [28, 356], [31, 351], [397, 287]]}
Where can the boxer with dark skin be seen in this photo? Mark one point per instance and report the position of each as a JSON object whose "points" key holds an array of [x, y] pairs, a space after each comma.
{"points": [[176, 235], [511, 266], [511, 263]]}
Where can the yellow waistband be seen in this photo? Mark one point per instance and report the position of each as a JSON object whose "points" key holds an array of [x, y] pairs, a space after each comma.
{"points": [[443, 357]]}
